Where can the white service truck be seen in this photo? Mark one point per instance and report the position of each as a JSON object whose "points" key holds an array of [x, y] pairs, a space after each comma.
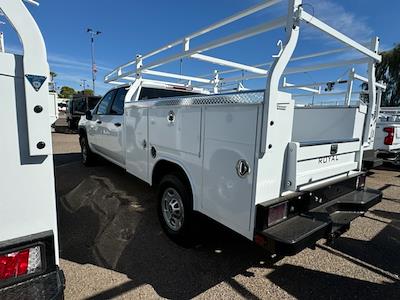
{"points": [[29, 260], [387, 137], [281, 175]]}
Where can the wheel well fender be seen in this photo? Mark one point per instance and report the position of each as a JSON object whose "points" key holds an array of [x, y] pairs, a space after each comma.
{"points": [[164, 167], [82, 132]]}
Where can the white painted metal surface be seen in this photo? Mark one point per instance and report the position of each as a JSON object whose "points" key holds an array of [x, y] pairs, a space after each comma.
{"points": [[35, 65], [28, 204], [287, 148]]}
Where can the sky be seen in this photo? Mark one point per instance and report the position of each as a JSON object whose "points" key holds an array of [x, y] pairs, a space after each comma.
{"points": [[136, 27]]}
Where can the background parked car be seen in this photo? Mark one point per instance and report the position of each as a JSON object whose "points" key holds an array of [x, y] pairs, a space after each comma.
{"points": [[78, 106]]}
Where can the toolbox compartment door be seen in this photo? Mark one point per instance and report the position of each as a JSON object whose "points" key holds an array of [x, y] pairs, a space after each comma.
{"points": [[230, 137]]}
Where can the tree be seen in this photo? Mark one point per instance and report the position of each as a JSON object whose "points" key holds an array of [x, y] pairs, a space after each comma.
{"points": [[389, 72], [88, 92], [67, 92]]}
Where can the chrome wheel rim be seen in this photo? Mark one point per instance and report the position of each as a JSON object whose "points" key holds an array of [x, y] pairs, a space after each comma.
{"points": [[172, 209]]}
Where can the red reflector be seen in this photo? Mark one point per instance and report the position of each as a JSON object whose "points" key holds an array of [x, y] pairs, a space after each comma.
{"points": [[389, 138], [14, 264], [277, 213]]}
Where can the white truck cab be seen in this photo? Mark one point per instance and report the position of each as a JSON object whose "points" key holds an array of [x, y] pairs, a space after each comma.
{"points": [[279, 174]]}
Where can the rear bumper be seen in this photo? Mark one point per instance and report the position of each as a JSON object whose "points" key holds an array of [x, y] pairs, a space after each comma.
{"points": [[327, 221], [370, 160], [390, 156], [47, 286]]}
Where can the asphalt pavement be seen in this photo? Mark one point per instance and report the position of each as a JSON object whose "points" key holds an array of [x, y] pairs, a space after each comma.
{"points": [[111, 245]]}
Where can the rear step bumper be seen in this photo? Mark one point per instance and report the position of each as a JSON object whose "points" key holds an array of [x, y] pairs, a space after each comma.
{"points": [[326, 221]]}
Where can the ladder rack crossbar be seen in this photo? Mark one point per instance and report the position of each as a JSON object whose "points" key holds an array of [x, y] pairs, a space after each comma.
{"points": [[293, 59], [135, 69], [280, 22], [312, 20], [216, 25]]}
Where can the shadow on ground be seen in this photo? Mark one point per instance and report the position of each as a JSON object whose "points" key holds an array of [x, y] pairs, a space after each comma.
{"points": [[303, 283], [108, 218]]}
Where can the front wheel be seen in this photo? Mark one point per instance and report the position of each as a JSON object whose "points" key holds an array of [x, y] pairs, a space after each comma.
{"points": [[88, 157], [175, 209], [70, 124]]}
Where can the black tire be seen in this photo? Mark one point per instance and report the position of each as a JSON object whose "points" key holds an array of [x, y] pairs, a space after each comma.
{"points": [[87, 156], [182, 235], [70, 124]]}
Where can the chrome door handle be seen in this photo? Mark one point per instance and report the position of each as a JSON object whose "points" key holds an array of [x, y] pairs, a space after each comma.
{"points": [[242, 168], [117, 124]]}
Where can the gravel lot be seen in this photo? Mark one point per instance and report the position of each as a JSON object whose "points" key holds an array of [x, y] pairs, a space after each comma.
{"points": [[112, 246]]}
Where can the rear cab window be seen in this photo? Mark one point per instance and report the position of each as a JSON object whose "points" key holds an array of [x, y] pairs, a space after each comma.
{"points": [[154, 93], [117, 107], [105, 103]]}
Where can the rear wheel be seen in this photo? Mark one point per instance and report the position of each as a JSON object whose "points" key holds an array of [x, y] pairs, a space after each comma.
{"points": [[88, 157], [70, 124], [175, 209]]}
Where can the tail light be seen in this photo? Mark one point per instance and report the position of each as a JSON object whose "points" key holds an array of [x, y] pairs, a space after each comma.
{"points": [[277, 213], [389, 138], [21, 262]]}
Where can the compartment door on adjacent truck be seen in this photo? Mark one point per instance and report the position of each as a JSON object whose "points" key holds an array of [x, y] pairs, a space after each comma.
{"points": [[136, 139], [229, 158]]}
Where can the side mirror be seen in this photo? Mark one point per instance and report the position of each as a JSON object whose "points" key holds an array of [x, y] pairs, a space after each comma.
{"points": [[89, 115]]}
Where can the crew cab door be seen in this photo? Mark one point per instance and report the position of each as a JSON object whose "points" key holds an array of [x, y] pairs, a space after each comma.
{"points": [[95, 129], [113, 123], [109, 121]]}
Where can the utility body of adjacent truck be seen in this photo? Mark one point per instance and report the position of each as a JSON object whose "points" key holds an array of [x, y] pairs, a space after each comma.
{"points": [[29, 260], [281, 175]]}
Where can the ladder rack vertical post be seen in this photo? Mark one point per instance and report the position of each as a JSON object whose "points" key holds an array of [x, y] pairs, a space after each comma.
{"points": [[36, 71], [350, 87], [276, 71], [139, 64], [371, 118], [216, 81]]}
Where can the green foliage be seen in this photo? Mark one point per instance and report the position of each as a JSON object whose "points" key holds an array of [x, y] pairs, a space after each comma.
{"points": [[88, 92], [67, 92], [389, 72]]}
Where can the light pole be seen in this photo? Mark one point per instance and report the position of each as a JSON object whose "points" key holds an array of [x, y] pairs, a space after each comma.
{"points": [[93, 33], [83, 84]]}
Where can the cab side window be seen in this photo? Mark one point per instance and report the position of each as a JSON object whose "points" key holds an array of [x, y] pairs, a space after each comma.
{"points": [[117, 107], [105, 103]]}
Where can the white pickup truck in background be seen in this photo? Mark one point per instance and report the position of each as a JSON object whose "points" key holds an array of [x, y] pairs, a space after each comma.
{"points": [[387, 136], [281, 175]]}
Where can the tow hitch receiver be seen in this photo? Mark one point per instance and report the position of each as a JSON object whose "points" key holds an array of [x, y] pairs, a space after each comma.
{"points": [[327, 221]]}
